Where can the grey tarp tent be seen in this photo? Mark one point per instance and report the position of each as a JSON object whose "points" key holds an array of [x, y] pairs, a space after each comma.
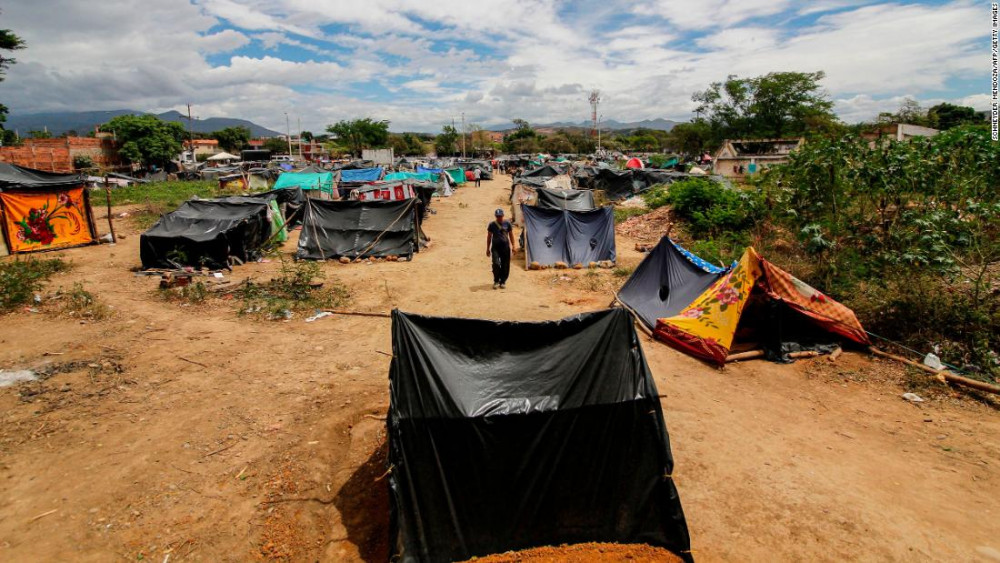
{"points": [[359, 229], [571, 237], [667, 280]]}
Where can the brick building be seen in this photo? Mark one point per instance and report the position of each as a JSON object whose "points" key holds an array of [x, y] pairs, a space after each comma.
{"points": [[56, 155]]}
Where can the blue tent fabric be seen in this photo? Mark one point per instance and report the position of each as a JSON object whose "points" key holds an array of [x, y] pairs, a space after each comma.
{"points": [[425, 176], [361, 175], [431, 170], [306, 181]]}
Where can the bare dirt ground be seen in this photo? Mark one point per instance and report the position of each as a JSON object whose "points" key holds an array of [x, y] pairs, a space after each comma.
{"points": [[188, 433]]}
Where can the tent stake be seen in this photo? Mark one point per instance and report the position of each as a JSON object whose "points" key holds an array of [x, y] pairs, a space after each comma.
{"points": [[947, 375]]}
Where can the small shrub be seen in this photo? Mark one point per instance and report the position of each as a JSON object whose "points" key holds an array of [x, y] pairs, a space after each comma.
{"points": [[80, 303], [192, 294], [82, 161], [293, 290], [20, 280], [623, 271], [657, 196]]}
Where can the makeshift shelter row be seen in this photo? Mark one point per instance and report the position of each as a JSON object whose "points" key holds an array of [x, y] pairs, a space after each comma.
{"points": [[44, 210]]}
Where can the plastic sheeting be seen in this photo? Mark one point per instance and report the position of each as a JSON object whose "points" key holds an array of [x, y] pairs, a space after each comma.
{"points": [[306, 181], [21, 178], [361, 175], [511, 435], [207, 233], [574, 200], [572, 237], [358, 229], [665, 282]]}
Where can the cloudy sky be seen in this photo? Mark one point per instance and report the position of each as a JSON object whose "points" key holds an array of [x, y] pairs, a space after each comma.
{"points": [[421, 63]]}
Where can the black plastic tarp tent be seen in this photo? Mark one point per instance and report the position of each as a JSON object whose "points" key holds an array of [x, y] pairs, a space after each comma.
{"points": [[546, 171], [206, 233], [571, 237], [510, 435], [615, 184], [665, 282], [358, 229], [575, 200]]}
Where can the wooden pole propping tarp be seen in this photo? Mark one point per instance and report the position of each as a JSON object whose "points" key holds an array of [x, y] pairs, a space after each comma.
{"points": [[945, 374]]}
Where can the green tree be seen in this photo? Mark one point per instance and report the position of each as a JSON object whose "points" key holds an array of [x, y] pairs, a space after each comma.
{"points": [[447, 141], [522, 139], [406, 144], [39, 134], [146, 139], [945, 116], [910, 112], [276, 145], [691, 138], [778, 104], [306, 136], [232, 139], [358, 134], [8, 42]]}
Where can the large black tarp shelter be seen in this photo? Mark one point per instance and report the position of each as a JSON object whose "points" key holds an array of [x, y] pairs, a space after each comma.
{"points": [[572, 237], [206, 233], [616, 184], [575, 200], [359, 229], [546, 171], [511, 435], [17, 177], [665, 282]]}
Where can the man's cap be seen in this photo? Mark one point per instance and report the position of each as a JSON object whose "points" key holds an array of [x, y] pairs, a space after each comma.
{"points": [[498, 212]]}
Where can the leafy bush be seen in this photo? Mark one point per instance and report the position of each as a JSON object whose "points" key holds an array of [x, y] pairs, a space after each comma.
{"points": [[656, 196], [907, 233], [82, 161], [711, 208], [20, 280], [192, 294]]}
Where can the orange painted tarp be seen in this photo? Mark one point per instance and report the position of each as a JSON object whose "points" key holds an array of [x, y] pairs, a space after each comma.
{"points": [[45, 220]]}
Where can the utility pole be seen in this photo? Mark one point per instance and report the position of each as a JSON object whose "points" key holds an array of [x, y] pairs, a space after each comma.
{"points": [[300, 136], [288, 134], [599, 133], [463, 135], [190, 135]]}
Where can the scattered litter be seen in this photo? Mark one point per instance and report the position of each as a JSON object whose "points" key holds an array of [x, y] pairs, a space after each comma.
{"points": [[933, 362], [913, 397], [218, 275], [8, 378], [319, 316]]}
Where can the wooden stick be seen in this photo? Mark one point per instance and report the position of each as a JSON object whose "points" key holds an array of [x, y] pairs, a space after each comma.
{"points": [[44, 514], [835, 354], [107, 195], [947, 375], [359, 314], [803, 354], [192, 362], [751, 355]]}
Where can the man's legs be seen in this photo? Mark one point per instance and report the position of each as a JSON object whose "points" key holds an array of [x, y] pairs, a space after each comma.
{"points": [[504, 268], [497, 267]]}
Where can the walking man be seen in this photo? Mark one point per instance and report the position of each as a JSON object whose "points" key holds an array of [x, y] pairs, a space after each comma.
{"points": [[478, 175], [500, 247]]}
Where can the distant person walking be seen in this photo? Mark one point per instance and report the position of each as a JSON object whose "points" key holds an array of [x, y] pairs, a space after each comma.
{"points": [[500, 247], [478, 175]]}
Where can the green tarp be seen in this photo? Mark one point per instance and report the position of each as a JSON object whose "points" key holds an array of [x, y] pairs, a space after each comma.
{"points": [[322, 181], [457, 175], [425, 176]]}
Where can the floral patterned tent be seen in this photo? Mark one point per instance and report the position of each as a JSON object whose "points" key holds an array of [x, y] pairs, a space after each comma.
{"points": [[44, 210], [708, 326]]}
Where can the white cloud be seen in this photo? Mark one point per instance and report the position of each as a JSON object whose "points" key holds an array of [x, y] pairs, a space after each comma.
{"points": [[494, 60]]}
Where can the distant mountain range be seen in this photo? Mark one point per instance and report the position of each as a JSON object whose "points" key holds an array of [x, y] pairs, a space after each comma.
{"points": [[83, 122], [658, 124]]}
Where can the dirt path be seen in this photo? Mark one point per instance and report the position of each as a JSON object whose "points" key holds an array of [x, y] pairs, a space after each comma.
{"points": [[191, 432]]}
